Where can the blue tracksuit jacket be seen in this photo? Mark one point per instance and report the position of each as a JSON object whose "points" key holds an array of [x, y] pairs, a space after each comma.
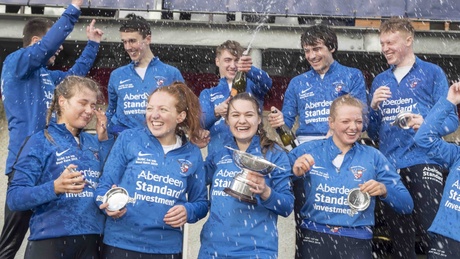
{"points": [[237, 229], [28, 86], [39, 164], [309, 96], [128, 93], [418, 92], [327, 187], [158, 181], [446, 222]]}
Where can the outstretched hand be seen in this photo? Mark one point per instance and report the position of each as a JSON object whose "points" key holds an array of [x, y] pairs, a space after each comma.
{"points": [[93, 33]]}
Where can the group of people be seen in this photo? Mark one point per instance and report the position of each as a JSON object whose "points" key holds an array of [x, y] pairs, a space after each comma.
{"points": [[148, 143]]}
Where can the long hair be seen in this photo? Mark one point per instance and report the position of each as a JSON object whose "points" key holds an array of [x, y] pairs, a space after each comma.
{"points": [[67, 89], [265, 142], [187, 101]]}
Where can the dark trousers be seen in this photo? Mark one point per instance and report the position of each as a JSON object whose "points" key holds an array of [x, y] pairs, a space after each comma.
{"points": [[425, 183], [316, 245], [15, 227], [70, 247], [111, 252], [299, 200], [442, 247]]}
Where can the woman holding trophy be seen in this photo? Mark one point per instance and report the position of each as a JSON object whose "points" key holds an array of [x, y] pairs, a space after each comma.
{"points": [[163, 171], [56, 174], [342, 179], [243, 218]]}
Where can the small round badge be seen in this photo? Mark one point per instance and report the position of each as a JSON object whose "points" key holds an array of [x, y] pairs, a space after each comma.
{"points": [[358, 201]]}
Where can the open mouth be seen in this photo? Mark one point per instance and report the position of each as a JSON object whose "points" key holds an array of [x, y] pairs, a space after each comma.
{"points": [[157, 124], [242, 128]]}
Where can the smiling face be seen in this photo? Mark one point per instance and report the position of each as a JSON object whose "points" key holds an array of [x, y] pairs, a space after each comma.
{"points": [[319, 56], [135, 45], [346, 123], [162, 117], [397, 47], [243, 120], [77, 111], [227, 65]]}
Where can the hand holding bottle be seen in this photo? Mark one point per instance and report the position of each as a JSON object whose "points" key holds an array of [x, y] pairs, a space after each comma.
{"points": [[275, 118], [244, 64]]}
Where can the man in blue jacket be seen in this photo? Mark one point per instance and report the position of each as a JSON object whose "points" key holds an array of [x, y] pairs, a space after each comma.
{"points": [[310, 95], [214, 101], [130, 85], [412, 86], [27, 87]]}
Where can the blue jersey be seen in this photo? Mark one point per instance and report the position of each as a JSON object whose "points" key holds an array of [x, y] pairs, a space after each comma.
{"points": [[28, 86], [237, 229], [39, 164], [128, 93], [446, 222], [258, 84], [327, 187], [417, 93], [157, 181], [309, 96]]}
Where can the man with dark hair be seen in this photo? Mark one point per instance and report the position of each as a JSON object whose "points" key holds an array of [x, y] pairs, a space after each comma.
{"points": [[27, 87], [410, 87], [214, 101], [130, 85], [310, 95]]}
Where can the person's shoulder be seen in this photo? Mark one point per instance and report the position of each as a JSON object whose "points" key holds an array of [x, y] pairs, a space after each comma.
{"points": [[156, 61], [426, 64], [132, 134], [350, 69], [384, 73], [121, 69], [11, 58], [310, 146], [295, 81]]}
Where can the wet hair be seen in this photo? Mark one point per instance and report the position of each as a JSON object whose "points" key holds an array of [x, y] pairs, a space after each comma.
{"points": [[135, 23], [395, 24], [67, 89], [320, 33], [187, 101], [265, 142], [346, 100], [35, 27], [231, 46]]}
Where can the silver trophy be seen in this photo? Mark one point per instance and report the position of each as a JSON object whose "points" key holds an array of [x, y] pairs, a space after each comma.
{"points": [[117, 198], [358, 201], [239, 188], [402, 120]]}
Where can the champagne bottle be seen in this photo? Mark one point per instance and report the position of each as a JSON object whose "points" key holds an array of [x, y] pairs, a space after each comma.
{"points": [[239, 81], [287, 136]]}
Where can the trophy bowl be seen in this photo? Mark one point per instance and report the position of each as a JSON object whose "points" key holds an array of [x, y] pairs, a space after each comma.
{"points": [[117, 198], [247, 162], [402, 119], [358, 201]]}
